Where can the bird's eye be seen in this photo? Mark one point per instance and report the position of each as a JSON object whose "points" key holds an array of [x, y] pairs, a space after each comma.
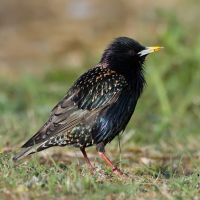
{"points": [[131, 52]]}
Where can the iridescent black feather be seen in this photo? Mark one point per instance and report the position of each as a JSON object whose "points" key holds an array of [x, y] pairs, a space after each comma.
{"points": [[100, 103]]}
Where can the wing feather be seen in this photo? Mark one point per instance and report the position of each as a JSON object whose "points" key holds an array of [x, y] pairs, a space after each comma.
{"points": [[91, 93]]}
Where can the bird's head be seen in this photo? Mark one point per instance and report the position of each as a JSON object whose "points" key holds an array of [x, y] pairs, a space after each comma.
{"points": [[126, 54]]}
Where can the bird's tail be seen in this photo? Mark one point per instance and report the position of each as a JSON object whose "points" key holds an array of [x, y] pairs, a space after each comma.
{"points": [[56, 141], [27, 151]]}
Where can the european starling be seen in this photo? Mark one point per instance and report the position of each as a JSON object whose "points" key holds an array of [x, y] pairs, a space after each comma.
{"points": [[99, 104]]}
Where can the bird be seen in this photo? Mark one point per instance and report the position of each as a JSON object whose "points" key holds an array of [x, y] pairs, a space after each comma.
{"points": [[99, 104]]}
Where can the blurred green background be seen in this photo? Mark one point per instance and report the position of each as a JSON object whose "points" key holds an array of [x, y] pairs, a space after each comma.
{"points": [[46, 45]]}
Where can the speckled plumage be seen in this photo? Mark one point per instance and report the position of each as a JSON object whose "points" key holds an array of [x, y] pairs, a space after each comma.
{"points": [[100, 103]]}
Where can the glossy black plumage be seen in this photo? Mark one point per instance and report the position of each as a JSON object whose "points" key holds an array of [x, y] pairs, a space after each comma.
{"points": [[99, 104]]}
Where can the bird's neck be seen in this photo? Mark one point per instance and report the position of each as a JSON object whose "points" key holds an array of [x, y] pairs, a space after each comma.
{"points": [[137, 81], [133, 76]]}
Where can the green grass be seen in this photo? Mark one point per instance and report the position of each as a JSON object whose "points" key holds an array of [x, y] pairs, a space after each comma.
{"points": [[160, 147], [33, 180]]}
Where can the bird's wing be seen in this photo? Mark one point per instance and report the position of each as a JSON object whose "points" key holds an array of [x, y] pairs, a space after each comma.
{"points": [[92, 92]]}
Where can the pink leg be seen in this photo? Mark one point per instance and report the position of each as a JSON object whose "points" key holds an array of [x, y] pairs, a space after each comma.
{"points": [[115, 170], [87, 159]]}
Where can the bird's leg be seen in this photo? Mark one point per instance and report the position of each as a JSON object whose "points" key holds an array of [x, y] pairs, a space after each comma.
{"points": [[87, 159], [115, 170], [101, 150]]}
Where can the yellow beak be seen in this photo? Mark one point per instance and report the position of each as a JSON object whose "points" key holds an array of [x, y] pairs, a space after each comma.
{"points": [[149, 50]]}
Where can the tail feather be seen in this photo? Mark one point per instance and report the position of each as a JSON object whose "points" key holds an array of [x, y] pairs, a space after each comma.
{"points": [[55, 141], [27, 151]]}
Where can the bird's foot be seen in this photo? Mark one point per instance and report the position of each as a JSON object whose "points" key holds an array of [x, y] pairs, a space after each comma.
{"points": [[91, 168], [117, 172]]}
